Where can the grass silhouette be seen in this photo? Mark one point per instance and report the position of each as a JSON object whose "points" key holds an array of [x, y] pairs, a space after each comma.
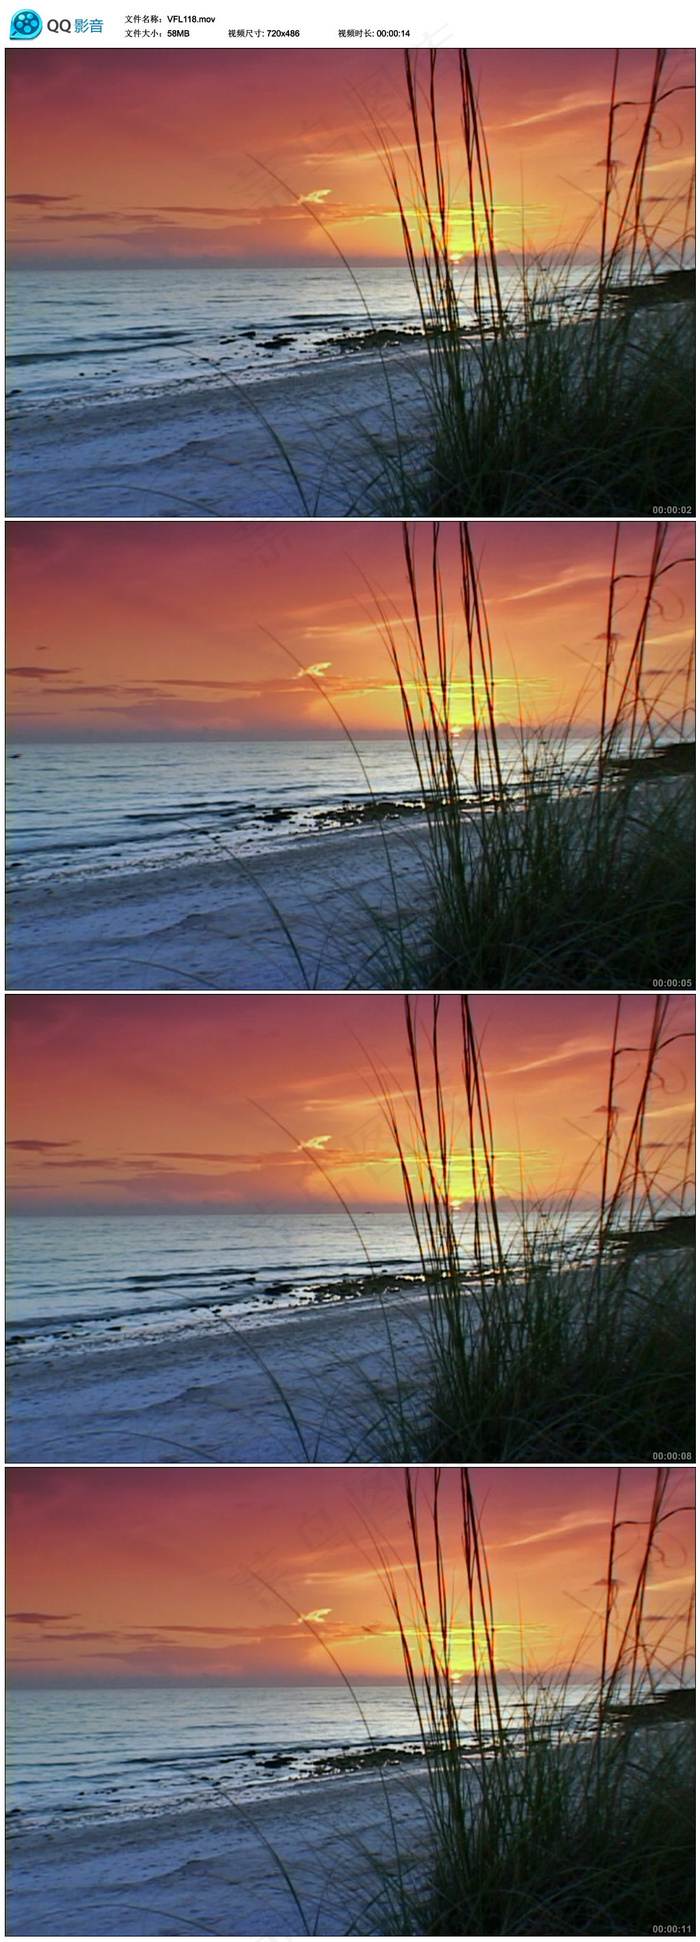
{"points": [[569, 391], [582, 1821], [547, 1334], [557, 1803], [547, 870], [559, 1343]]}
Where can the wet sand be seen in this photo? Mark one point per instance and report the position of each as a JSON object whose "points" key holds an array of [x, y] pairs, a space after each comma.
{"points": [[206, 451], [208, 1871], [313, 443], [209, 1395], [213, 925]]}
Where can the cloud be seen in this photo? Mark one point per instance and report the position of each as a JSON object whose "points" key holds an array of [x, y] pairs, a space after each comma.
{"points": [[575, 1048], [571, 1525], [228, 219], [41, 1618], [39, 1146], [225, 1158], [194, 209], [94, 216], [566, 582], [111, 1161], [316, 1618], [39, 201], [40, 674], [573, 105]]}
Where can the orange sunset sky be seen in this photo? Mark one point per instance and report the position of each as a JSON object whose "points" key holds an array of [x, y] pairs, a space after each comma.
{"points": [[138, 1575], [174, 1100], [160, 155], [128, 629]]}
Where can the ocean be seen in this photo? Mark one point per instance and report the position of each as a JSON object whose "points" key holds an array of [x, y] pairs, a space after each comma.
{"points": [[96, 1280], [99, 334], [102, 809], [95, 1755], [78, 810], [106, 1753]]}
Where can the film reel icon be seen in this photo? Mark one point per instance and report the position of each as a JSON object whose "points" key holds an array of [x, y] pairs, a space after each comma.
{"points": [[25, 25]]}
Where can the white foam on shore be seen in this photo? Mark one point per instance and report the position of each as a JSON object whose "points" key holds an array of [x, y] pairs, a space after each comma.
{"points": [[218, 925], [216, 1396], [210, 1871], [299, 446]]}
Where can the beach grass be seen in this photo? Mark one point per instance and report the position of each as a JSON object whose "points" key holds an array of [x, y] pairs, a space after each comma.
{"points": [[546, 869], [561, 390], [582, 1822], [566, 1341], [543, 1331]]}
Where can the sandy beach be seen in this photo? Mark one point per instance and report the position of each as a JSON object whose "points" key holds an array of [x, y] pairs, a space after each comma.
{"points": [[214, 449], [326, 910], [212, 924], [212, 1396], [208, 1871]]}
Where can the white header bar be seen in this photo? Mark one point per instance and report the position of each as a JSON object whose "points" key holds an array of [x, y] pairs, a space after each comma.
{"points": [[350, 23]]}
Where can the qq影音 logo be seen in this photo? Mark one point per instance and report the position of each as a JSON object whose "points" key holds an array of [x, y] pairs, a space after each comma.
{"points": [[25, 25]]}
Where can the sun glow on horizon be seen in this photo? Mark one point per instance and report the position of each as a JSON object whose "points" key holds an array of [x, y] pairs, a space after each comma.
{"points": [[228, 1101], [205, 1575], [212, 158], [126, 631]]}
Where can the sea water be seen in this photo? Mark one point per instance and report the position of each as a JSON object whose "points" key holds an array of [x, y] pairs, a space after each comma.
{"points": [[113, 809], [109, 1753], [102, 334], [95, 1281], [79, 810], [91, 1280], [95, 335]]}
